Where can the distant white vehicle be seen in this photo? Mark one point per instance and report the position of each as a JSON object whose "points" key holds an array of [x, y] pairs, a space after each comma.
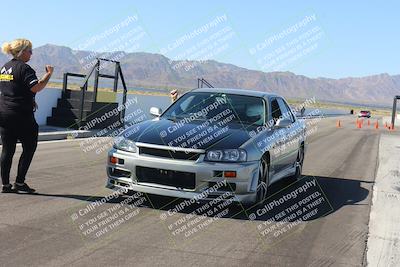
{"points": [[364, 114]]}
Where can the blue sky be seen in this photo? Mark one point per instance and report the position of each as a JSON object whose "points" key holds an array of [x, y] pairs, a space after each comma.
{"points": [[355, 38]]}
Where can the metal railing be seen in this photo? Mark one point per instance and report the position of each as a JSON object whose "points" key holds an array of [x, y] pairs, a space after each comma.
{"points": [[202, 81], [394, 110], [96, 70]]}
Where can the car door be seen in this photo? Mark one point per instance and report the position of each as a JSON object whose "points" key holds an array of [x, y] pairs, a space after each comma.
{"points": [[290, 141], [276, 137]]}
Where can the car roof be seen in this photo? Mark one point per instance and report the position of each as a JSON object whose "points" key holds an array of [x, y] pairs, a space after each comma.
{"points": [[234, 91]]}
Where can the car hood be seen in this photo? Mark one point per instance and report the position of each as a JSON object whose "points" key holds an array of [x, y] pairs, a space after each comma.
{"points": [[190, 135]]}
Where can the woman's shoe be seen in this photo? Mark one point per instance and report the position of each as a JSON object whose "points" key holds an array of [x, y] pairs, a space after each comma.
{"points": [[8, 189], [23, 188]]}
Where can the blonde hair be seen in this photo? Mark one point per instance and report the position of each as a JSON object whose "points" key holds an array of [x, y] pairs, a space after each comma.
{"points": [[16, 47]]}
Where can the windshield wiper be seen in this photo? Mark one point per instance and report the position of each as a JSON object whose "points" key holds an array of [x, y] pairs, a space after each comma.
{"points": [[174, 118], [171, 119]]}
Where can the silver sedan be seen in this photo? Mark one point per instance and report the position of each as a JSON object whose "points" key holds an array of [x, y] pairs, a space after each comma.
{"points": [[211, 143]]}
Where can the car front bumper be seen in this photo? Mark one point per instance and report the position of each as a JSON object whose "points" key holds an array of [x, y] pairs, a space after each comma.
{"points": [[207, 176]]}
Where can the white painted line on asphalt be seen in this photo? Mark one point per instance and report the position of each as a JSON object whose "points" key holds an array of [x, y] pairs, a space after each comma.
{"points": [[383, 247]]}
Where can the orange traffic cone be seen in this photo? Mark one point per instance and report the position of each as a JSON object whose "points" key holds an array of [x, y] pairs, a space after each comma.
{"points": [[376, 125], [369, 123], [357, 122], [338, 125], [359, 126]]}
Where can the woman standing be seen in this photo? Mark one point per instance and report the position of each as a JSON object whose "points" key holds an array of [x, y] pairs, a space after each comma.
{"points": [[18, 86]]}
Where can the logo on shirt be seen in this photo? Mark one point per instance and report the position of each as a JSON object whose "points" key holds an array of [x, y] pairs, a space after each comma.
{"points": [[6, 75]]}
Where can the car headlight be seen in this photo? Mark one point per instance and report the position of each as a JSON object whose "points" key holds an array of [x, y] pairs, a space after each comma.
{"points": [[227, 155], [122, 143]]}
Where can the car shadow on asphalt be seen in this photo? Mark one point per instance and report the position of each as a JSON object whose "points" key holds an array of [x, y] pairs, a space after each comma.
{"points": [[308, 199]]}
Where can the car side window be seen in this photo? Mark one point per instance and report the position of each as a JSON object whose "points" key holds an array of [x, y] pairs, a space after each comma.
{"points": [[286, 113], [275, 110]]}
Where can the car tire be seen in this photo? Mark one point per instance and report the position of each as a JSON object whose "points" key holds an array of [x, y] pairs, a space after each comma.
{"points": [[263, 180], [299, 164]]}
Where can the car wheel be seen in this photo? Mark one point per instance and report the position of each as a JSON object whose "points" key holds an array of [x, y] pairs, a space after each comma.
{"points": [[299, 163], [263, 180]]}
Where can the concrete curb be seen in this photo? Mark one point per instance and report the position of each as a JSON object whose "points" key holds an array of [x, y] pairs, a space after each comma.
{"points": [[383, 246], [62, 135], [49, 136]]}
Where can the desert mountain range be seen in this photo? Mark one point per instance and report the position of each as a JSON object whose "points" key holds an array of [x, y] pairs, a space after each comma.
{"points": [[155, 70]]}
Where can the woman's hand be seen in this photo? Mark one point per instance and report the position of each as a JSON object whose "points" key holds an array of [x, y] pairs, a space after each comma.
{"points": [[49, 69], [43, 82]]}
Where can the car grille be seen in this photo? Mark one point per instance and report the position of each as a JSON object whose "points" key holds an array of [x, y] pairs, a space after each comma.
{"points": [[185, 180], [168, 153]]}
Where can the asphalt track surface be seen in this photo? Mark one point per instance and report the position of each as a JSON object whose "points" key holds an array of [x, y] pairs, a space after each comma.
{"points": [[47, 229]]}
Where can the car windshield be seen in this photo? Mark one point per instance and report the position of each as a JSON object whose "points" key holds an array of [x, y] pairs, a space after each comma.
{"points": [[205, 106]]}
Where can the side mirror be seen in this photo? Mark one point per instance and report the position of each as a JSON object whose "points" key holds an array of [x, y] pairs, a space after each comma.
{"points": [[155, 111], [283, 123]]}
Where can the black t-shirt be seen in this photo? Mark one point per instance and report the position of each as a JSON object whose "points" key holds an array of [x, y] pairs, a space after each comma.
{"points": [[16, 81]]}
